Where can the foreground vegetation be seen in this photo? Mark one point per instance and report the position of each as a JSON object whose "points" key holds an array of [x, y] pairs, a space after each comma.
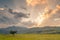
{"points": [[30, 37]]}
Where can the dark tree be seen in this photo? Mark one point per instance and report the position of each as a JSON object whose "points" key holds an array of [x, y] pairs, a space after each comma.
{"points": [[13, 32]]}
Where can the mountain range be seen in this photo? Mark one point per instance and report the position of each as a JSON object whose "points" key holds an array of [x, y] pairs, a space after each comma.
{"points": [[22, 30]]}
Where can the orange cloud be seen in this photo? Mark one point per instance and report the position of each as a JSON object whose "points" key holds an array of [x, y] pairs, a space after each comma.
{"points": [[35, 2], [47, 11]]}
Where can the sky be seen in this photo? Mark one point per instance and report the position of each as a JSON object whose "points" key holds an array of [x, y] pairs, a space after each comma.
{"points": [[29, 13]]}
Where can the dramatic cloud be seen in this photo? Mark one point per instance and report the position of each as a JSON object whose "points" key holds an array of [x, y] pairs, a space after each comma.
{"points": [[10, 17], [30, 13], [21, 15], [43, 10], [35, 2], [5, 18], [17, 14], [2, 9]]}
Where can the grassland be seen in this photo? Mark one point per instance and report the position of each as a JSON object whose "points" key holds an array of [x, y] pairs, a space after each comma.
{"points": [[30, 37]]}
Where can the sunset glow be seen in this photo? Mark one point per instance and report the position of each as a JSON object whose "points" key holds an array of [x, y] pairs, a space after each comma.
{"points": [[31, 13], [47, 11]]}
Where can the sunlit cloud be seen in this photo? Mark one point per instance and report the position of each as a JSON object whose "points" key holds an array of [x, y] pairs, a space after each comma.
{"points": [[57, 19], [35, 2], [47, 10], [2, 8], [33, 13]]}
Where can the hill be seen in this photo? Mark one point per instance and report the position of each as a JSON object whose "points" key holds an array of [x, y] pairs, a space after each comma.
{"points": [[22, 30]]}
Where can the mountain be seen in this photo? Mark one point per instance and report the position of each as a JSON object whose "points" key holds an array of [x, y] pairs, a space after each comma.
{"points": [[22, 30], [45, 30], [13, 28]]}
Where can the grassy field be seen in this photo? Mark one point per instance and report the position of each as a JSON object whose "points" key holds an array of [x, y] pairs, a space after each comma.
{"points": [[31, 37]]}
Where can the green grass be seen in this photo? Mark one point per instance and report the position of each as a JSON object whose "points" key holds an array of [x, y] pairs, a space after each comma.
{"points": [[30, 37]]}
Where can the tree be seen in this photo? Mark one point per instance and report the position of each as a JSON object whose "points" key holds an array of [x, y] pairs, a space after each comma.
{"points": [[13, 32]]}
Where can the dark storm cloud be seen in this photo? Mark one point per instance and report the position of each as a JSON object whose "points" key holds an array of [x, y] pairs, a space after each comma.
{"points": [[16, 14], [21, 15], [5, 17], [5, 20]]}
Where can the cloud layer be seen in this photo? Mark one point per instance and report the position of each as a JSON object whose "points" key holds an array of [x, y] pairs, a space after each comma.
{"points": [[30, 13]]}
